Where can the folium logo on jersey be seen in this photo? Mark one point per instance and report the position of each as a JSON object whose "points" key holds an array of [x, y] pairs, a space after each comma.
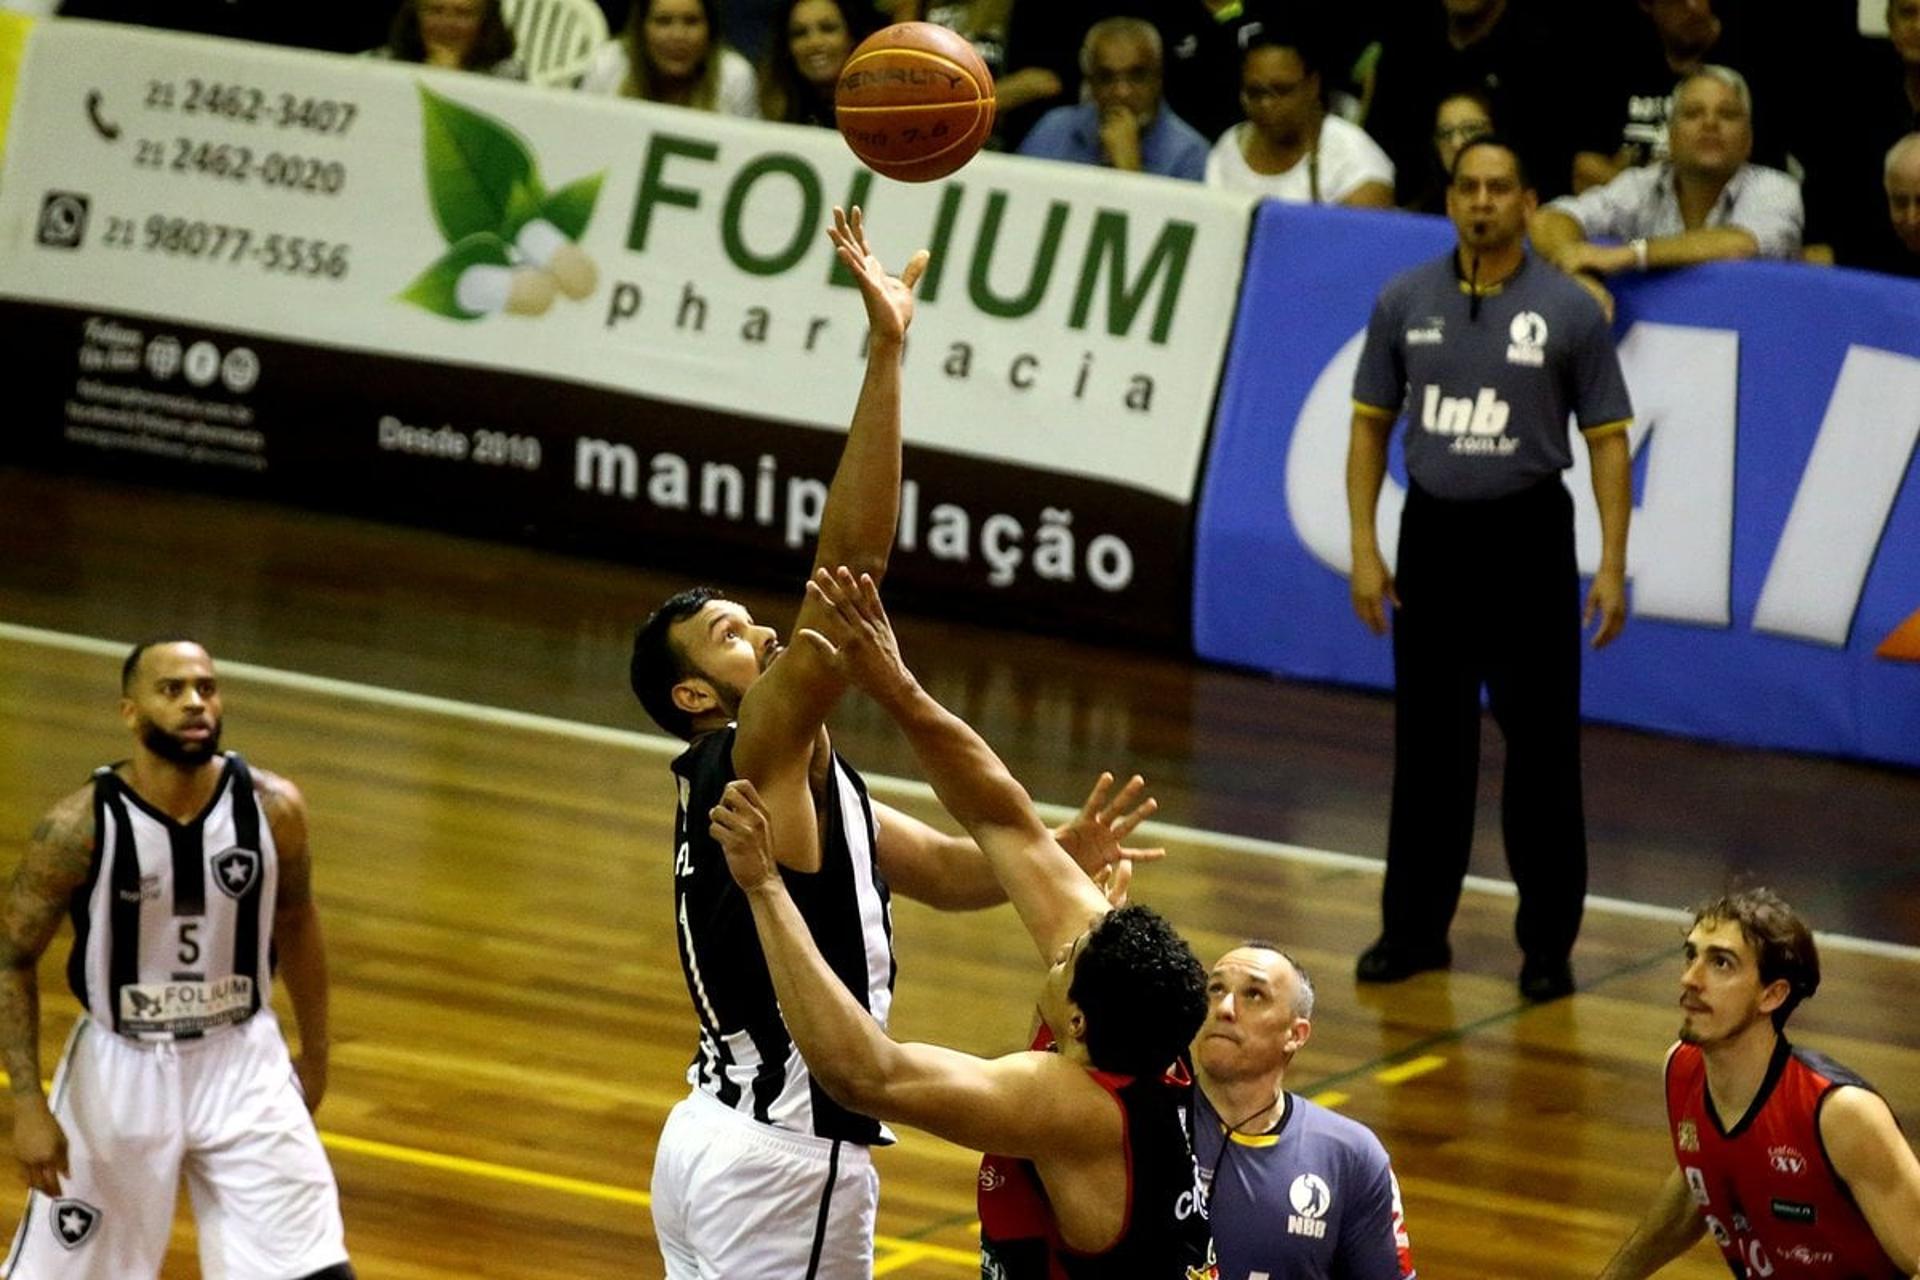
{"points": [[512, 245], [1477, 423], [1311, 1198], [73, 1222]]}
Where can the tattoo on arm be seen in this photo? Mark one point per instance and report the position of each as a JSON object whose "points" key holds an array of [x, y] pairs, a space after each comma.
{"points": [[56, 863]]}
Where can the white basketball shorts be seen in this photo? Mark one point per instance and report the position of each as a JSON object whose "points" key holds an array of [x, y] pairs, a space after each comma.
{"points": [[227, 1110], [734, 1199]]}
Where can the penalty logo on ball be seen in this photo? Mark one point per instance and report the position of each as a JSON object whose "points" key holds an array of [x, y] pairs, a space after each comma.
{"points": [[914, 102]]}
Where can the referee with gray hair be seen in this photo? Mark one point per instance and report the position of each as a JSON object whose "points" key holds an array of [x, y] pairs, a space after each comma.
{"points": [[1490, 350]]}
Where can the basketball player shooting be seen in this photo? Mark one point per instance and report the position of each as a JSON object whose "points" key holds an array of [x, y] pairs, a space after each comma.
{"points": [[758, 1171]]}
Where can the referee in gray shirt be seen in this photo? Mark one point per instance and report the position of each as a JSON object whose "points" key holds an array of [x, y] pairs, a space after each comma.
{"points": [[1490, 351]]}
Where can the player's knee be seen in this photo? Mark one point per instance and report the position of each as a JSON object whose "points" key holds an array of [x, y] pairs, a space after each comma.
{"points": [[339, 1271]]}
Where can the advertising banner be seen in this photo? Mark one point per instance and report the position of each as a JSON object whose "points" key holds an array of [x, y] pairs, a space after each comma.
{"points": [[606, 324], [1774, 559]]}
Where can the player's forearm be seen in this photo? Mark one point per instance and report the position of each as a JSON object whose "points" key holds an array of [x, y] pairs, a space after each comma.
{"points": [[303, 968], [20, 1029], [1366, 472], [1612, 460], [863, 502], [844, 1048], [1670, 1227], [964, 879], [1049, 891]]}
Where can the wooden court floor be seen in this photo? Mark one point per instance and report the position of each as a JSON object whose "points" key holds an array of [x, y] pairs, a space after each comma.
{"points": [[510, 1025]]}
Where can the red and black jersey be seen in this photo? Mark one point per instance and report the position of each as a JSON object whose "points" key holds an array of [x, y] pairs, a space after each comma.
{"points": [[1765, 1186], [1165, 1235]]}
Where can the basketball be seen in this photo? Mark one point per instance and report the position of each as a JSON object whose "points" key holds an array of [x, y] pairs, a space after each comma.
{"points": [[914, 101]]}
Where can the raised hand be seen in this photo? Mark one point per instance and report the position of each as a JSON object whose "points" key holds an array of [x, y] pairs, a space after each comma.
{"points": [[859, 639], [745, 834], [1094, 836], [889, 299]]}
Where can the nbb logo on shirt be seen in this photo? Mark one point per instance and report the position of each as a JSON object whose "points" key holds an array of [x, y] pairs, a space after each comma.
{"points": [[1477, 423]]}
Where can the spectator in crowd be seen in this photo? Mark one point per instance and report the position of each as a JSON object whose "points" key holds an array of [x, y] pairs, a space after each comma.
{"points": [[1288, 147], [671, 51], [1902, 252], [803, 68], [464, 35], [1843, 192], [1529, 70], [1028, 45], [1707, 202], [1254, 1141], [1125, 125], [1205, 41], [1660, 45], [1459, 119]]}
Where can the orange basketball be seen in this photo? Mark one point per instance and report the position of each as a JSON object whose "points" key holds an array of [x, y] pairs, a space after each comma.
{"points": [[914, 101]]}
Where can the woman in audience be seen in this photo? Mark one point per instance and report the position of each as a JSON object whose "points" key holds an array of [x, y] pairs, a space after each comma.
{"points": [[1460, 118], [464, 35], [1289, 147], [671, 51], [812, 40]]}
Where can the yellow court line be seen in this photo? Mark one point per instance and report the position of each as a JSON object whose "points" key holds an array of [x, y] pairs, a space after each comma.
{"points": [[917, 1249], [1330, 1099], [1408, 1070]]}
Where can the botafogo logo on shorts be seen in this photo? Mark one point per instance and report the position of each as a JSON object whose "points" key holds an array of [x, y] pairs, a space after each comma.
{"points": [[73, 1222]]}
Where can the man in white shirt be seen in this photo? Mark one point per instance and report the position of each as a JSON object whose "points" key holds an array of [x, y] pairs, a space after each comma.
{"points": [[1707, 203]]}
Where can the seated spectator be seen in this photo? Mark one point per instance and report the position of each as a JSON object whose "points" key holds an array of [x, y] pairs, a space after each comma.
{"points": [[1125, 125], [671, 51], [1460, 118], [464, 35], [1667, 41], [1531, 60], [1289, 148], [1706, 203], [803, 68], [1843, 191], [1902, 256]]}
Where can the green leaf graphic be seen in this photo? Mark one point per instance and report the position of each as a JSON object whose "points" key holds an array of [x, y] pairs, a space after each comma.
{"points": [[571, 207], [436, 288], [523, 206], [478, 169]]}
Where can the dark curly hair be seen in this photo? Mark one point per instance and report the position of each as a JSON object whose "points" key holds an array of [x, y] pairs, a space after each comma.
{"points": [[1781, 940], [1141, 990], [658, 664]]}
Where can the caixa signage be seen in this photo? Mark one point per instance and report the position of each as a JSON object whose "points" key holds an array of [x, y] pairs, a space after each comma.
{"points": [[1775, 552]]}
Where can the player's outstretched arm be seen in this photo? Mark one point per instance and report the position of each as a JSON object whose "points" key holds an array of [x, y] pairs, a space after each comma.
{"points": [[1668, 1229], [1025, 1104], [950, 872], [56, 863], [1053, 896], [296, 931], [1872, 1157], [781, 716]]}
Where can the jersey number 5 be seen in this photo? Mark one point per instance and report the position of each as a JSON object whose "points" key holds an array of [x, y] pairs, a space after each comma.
{"points": [[189, 944]]}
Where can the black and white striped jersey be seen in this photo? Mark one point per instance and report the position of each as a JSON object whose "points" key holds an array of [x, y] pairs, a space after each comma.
{"points": [[173, 928], [746, 1060]]}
